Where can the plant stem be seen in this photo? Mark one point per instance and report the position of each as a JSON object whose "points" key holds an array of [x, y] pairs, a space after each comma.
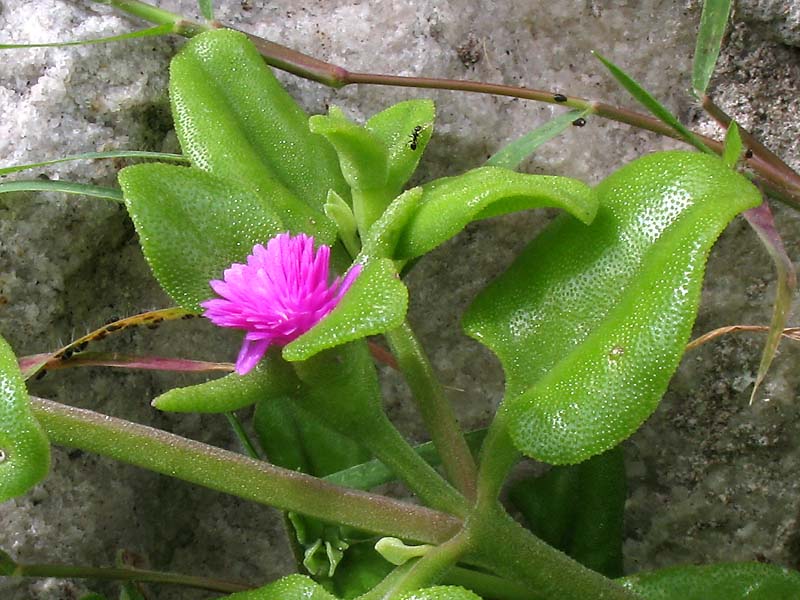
{"points": [[235, 474], [498, 455], [504, 546], [437, 412], [429, 569], [308, 67], [129, 574], [242, 436]]}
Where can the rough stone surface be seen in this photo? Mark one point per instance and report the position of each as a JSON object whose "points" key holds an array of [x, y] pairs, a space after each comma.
{"points": [[778, 19], [711, 478]]}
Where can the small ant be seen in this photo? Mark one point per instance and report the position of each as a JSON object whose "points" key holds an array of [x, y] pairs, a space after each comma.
{"points": [[415, 137]]}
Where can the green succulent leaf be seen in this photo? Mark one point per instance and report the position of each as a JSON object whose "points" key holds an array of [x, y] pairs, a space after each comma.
{"points": [[449, 204], [579, 509], [362, 156], [271, 378], [733, 148], [292, 587], [361, 569], [405, 130], [381, 240], [24, 448], [725, 581], [441, 592], [193, 225], [296, 439], [376, 302], [591, 322], [234, 120]]}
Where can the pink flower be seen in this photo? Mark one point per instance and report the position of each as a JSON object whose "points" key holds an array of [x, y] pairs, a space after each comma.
{"points": [[280, 293]]}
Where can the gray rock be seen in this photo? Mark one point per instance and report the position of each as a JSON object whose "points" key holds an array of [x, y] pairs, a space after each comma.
{"points": [[711, 477], [779, 19]]}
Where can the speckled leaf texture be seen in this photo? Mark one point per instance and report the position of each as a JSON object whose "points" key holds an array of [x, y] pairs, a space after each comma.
{"points": [[193, 225], [234, 119], [730, 581], [24, 448], [293, 587], [590, 322], [441, 592], [375, 303], [450, 203]]}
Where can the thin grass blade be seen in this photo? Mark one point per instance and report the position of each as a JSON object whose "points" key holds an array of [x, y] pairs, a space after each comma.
{"points": [[733, 147], [512, 155], [206, 9], [150, 32], [98, 155], [709, 41], [67, 187], [647, 100]]}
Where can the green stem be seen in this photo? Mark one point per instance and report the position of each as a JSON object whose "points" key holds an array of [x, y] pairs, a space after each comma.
{"points": [[129, 574], [498, 455], [429, 569], [242, 436], [392, 449], [489, 586], [504, 546], [335, 76], [437, 412], [235, 474]]}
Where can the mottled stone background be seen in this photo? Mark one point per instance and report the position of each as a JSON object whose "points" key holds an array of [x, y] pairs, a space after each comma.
{"points": [[711, 478]]}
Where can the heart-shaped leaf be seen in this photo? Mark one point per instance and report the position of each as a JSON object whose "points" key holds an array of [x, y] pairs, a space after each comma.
{"points": [[193, 225], [450, 203], [24, 448], [590, 322], [292, 587]]}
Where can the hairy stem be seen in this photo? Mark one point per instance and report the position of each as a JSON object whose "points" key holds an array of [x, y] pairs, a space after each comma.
{"points": [[437, 412], [129, 574], [235, 474]]}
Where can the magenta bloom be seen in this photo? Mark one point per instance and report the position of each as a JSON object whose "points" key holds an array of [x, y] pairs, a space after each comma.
{"points": [[280, 293]]}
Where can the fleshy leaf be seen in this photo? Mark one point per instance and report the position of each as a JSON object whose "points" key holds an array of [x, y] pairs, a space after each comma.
{"points": [[338, 211], [450, 203], [270, 378], [725, 581], [362, 155], [514, 153], [405, 130], [376, 302], [760, 219], [292, 587], [192, 226], [579, 509], [591, 322], [234, 119], [441, 592], [24, 448], [381, 240], [709, 41]]}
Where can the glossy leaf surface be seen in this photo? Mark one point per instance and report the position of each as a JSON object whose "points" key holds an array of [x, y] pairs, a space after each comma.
{"points": [[579, 509], [727, 581], [293, 587], [450, 203], [590, 322], [375, 303], [405, 129], [270, 378], [24, 448], [193, 225], [235, 120], [441, 592]]}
